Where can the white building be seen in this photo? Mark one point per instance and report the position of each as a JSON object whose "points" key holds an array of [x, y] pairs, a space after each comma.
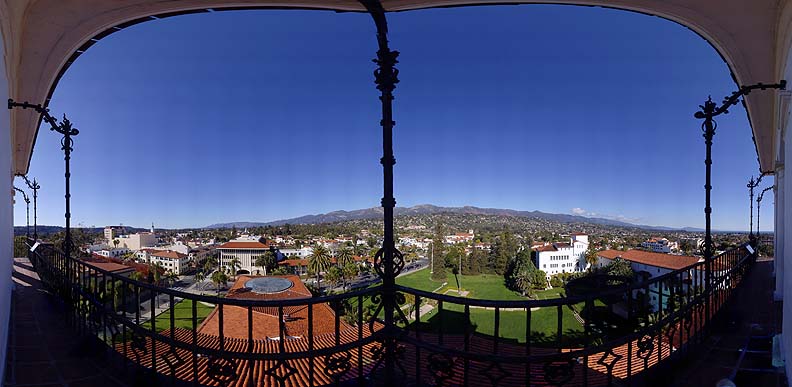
{"points": [[136, 241], [245, 251], [557, 258], [459, 237], [300, 253], [113, 253], [173, 261], [659, 245]]}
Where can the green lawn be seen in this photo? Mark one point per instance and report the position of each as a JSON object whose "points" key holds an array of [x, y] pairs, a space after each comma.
{"points": [[544, 324], [544, 321], [182, 316], [483, 286]]}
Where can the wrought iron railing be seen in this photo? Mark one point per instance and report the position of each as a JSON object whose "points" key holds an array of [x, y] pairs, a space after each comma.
{"points": [[616, 336]]}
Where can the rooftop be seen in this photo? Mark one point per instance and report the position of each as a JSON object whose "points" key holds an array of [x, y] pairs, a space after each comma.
{"points": [[667, 261]]}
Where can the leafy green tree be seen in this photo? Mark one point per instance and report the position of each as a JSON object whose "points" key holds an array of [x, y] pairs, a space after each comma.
{"points": [[200, 277], [350, 271], [318, 262], [333, 276], [520, 274], [620, 267], [267, 261], [504, 249]]}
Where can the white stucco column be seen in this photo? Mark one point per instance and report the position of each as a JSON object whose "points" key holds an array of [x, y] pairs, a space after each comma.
{"points": [[6, 213], [778, 245], [784, 241]]}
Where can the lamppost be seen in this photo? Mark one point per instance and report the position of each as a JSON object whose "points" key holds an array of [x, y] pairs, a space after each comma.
{"points": [[35, 187], [708, 112], [64, 128], [759, 207], [751, 185], [27, 209]]}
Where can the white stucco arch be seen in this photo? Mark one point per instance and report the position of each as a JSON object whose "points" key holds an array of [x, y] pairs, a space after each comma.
{"points": [[44, 37]]}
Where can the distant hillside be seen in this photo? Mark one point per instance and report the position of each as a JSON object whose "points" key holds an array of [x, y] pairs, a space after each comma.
{"points": [[428, 209]]}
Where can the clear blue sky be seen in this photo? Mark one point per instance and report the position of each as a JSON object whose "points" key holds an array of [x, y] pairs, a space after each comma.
{"points": [[263, 115]]}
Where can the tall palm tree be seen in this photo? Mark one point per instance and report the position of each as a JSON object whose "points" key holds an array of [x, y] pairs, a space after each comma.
{"points": [[219, 278], [591, 256], [200, 277], [344, 258], [319, 261], [171, 277], [233, 265]]}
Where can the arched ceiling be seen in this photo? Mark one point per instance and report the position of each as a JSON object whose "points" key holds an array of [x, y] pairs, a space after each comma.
{"points": [[44, 37]]}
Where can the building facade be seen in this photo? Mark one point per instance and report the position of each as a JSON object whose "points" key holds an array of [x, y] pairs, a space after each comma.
{"points": [[555, 258], [244, 251], [173, 261]]}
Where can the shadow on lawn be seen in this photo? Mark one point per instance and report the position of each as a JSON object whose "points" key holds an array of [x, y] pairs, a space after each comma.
{"points": [[451, 322]]}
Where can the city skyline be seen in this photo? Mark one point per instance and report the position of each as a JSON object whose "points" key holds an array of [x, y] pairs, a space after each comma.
{"points": [[259, 116]]}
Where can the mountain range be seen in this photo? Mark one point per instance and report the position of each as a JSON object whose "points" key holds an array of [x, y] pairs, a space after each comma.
{"points": [[428, 209]]}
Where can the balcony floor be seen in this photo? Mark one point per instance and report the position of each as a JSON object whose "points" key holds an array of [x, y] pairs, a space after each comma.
{"points": [[740, 347], [43, 350]]}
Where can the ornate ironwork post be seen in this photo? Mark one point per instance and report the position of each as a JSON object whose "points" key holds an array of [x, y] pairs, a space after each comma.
{"points": [[388, 261], [708, 112], [751, 185], [35, 187], [27, 209], [65, 128], [758, 208]]}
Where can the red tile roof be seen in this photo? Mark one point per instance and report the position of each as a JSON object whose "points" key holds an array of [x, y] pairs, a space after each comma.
{"points": [[667, 261], [110, 266], [169, 254], [243, 245]]}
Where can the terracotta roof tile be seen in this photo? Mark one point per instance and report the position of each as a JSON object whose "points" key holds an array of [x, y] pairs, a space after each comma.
{"points": [[667, 261]]}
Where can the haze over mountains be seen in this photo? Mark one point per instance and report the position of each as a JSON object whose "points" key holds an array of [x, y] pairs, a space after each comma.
{"points": [[428, 209]]}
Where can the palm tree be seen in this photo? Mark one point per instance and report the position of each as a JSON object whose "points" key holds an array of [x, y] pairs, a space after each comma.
{"points": [[233, 265], [199, 277], [591, 256], [219, 278], [171, 277], [156, 270], [344, 258], [116, 242], [318, 262]]}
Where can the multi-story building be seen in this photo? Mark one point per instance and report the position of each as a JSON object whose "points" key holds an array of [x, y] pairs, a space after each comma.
{"points": [[111, 232], [173, 261], [113, 252], [295, 253], [562, 257], [246, 252], [136, 241], [460, 237], [659, 245]]}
